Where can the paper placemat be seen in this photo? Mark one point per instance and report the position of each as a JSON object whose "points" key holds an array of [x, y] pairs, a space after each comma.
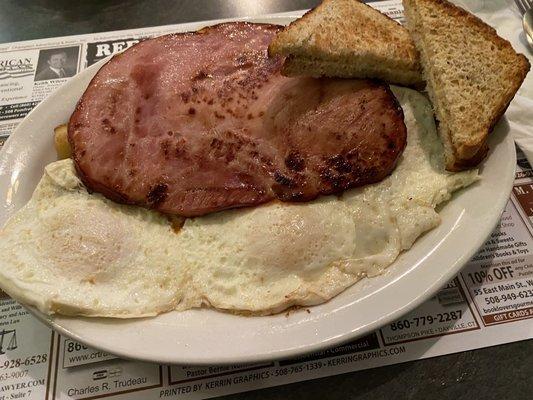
{"points": [[490, 302]]}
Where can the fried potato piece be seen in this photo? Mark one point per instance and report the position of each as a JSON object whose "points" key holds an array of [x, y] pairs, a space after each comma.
{"points": [[61, 143]]}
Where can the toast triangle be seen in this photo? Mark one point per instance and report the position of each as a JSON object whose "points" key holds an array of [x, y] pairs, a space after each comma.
{"points": [[348, 39], [472, 75]]}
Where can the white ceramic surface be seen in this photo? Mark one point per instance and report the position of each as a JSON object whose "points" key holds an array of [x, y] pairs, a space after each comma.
{"points": [[210, 337]]}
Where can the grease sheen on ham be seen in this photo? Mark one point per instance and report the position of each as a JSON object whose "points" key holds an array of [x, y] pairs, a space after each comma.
{"points": [[194, 123]]}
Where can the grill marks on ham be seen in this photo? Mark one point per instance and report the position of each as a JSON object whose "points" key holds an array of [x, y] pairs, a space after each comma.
{"points": [[194, 123]]}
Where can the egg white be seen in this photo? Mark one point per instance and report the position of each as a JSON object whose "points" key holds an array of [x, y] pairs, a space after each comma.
{"points": [[75, 253], [71, 252]]}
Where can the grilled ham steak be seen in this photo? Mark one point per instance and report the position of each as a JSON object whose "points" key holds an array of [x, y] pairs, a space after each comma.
{"points": [[193, 123]]}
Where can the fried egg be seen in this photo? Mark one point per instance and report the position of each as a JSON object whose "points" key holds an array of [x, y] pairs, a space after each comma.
{"points": [[71, 252]]}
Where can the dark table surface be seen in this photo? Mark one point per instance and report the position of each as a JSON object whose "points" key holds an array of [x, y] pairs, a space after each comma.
{"points": [[501, 372]]}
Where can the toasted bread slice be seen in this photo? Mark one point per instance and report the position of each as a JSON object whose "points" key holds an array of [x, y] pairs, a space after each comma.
{"points": [[346, 38], [472, 75]]}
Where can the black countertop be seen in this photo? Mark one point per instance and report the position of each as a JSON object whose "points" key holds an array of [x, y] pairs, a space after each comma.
{"points": [[501, 372]]}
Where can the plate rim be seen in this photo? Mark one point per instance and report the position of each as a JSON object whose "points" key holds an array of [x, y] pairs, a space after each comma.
{"points": [[451, 271]]}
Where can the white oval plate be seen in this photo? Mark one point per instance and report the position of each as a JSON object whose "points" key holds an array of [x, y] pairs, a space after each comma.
{"points": [[211, 337]]}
